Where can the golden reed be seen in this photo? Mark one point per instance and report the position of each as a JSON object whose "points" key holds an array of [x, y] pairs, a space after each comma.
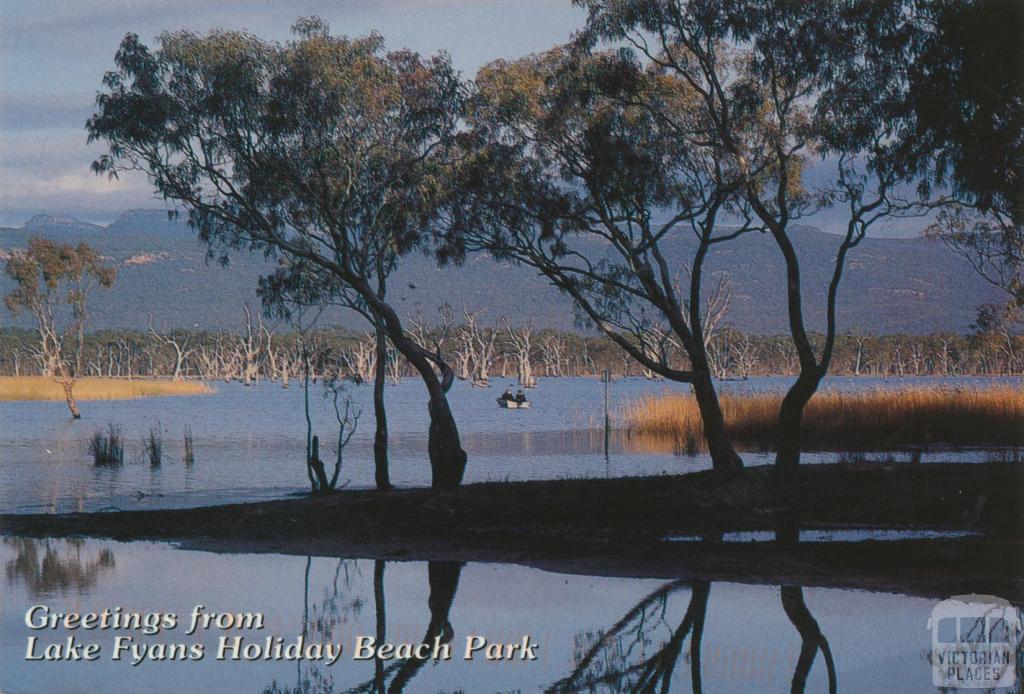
{"points": [[45, 388], [871, 419]]}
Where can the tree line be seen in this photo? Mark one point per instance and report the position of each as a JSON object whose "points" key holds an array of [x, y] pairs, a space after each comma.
{"points": [[337, 157], [522, 355]]}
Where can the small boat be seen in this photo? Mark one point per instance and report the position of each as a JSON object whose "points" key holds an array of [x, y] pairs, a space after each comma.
{"points": [[513, 404]]}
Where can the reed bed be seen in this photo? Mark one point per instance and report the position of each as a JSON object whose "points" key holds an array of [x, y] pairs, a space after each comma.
{"points": [[879, 419], [44, 388]]}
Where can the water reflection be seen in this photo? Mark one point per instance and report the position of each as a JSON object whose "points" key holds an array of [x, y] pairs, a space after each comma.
{"points": [[614, 660], [619, 659], [443, 579], [595, 634], [46, 566]]}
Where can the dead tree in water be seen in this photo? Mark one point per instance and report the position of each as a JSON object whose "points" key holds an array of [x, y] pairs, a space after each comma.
{"points": [[180, 346], [361, 359], [476, 348], [250, 347], [277, 357], [520, 341], [553, 349]]}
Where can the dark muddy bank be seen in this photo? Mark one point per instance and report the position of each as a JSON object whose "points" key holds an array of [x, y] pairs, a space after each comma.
{"points": [[618, 526]]}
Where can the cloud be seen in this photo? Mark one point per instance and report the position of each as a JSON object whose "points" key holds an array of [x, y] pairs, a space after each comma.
{"points": [[19, 111], [48, 171], [53, 54]]}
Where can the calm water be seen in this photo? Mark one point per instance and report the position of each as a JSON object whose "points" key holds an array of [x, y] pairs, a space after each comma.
{"points": [[250, 442], [879, 642]]}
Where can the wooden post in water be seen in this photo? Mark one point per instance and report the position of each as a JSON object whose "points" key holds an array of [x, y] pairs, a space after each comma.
{"points": [[607, 419]]}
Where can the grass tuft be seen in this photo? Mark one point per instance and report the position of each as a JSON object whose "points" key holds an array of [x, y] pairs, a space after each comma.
{"points": [[877, 419], [153, 445], [107, 449], [44, 388], [189, 455]]}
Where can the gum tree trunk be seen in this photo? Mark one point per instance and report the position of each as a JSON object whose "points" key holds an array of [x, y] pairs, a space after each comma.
{"points": [[68, 384], [444, 448], [791, 415], [447, 459], [723, 456], [380, 437]]}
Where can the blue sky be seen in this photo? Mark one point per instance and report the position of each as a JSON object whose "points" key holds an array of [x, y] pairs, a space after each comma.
{"points": [[53, 54]]}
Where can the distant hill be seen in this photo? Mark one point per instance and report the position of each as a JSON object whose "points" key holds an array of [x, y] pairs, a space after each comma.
{"points": [[891, 285]]}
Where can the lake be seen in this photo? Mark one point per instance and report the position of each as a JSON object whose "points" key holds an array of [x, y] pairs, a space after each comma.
{"points": [[250, 441], [591, 633]]}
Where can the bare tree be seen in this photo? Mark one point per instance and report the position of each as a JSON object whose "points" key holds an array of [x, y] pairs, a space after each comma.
{"points": [[250, 347], [347, 414], [180, 345], [520, 339]]}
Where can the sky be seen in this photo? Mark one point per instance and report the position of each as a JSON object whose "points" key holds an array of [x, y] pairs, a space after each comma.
{"points": [[53, 54]]}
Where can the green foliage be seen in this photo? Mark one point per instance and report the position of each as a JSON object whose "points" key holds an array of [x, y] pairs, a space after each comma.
{"points": [[48, 275], [48, 272], [319, 151]]}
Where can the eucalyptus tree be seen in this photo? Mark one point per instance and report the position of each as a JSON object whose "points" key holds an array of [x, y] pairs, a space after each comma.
{"points": [[970, 52], [785, 89], [566, 171], [48, 275], [321, 152]]}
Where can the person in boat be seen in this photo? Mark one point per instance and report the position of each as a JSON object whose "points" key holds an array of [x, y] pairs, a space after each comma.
{"points": [[520, 397], [507, 395]]}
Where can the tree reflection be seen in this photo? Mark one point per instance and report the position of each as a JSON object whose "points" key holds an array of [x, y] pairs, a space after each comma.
{"points": [[811, 638], [46, 565], [618, 659], [444, 582], [319, 621], [339, 604]]}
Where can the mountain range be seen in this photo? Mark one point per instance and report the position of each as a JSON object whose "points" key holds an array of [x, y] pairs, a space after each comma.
{"points": [[913, 285]]}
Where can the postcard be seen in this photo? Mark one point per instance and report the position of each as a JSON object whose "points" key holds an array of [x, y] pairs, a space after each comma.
{"points": [[537, 346]]}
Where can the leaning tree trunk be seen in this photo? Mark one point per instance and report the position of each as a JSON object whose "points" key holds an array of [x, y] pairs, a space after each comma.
{"points": [[791, 415], [447, 459], [380, 437], [723, 456], [68, 383]]}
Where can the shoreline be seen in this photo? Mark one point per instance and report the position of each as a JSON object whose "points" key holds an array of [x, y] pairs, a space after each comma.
{"points": [[617, 527]]}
